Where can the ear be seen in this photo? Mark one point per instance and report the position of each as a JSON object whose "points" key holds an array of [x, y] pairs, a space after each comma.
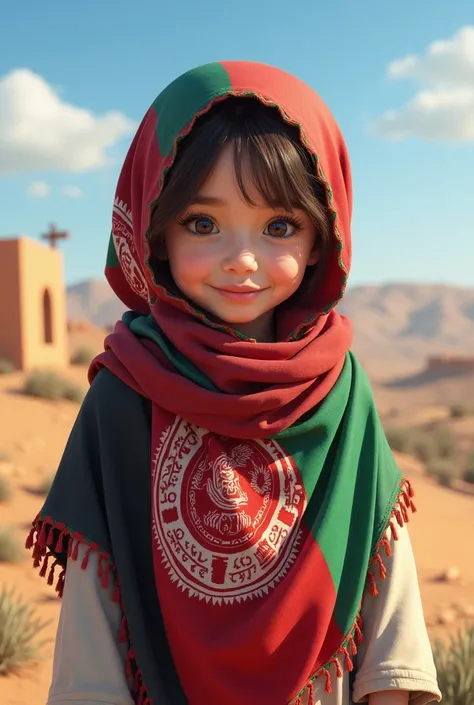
{"points": [[314, 257]]}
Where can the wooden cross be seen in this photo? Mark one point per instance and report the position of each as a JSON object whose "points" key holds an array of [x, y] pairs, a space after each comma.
{"points": [[54, 235]]}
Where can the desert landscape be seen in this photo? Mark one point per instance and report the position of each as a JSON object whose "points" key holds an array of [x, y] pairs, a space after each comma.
{"points": [[428, 413]]}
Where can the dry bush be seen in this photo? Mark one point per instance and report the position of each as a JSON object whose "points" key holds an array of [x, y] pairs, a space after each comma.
{"points": [[19, 629], [468, 472], [47, 384], [460, 411], [6, 366], [82, 356], [443, 470], [455, 664], [6, 489], [45, 485], [11, 549]]}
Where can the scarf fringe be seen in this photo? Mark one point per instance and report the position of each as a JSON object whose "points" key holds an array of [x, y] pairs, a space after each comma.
{"points": [[45, 533], [399, 516], [47, 536]]}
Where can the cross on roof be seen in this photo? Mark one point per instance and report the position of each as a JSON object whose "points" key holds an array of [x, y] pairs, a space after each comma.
{"points": [[53, 235]]}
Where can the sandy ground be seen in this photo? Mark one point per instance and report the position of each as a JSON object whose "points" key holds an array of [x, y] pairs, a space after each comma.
{"points": [[33, 433]]}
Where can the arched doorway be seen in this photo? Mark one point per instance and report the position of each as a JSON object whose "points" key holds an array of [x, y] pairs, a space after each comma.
{"points": [[47, 318]]}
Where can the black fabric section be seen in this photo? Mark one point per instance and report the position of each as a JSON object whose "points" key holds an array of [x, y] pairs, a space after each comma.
{"points": [[103, 491]]}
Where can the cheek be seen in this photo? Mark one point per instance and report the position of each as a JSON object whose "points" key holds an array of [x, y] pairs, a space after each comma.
{"points": [[287, 269], [188, 264]]}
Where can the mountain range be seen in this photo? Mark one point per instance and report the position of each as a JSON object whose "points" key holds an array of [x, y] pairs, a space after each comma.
{"points": [[396, 325]]}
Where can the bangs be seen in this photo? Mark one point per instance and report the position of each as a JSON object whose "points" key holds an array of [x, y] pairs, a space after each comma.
{"points": [[267, 155], [277, 168]]}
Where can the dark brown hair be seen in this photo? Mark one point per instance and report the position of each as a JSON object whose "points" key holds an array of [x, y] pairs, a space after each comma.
{"points": [[266, 149]]}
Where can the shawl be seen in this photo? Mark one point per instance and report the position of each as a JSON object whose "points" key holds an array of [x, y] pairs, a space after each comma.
{"points": [[270, 486]]}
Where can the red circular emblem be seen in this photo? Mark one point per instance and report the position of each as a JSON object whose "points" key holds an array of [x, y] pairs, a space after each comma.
{"points": [[226, 512]]}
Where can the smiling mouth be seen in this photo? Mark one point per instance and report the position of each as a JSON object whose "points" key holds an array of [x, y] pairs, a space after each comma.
{"points": [[238, 293]]}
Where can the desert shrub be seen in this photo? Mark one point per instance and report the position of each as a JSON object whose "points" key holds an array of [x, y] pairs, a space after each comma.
{"points": [[400, 439], [44, 486], [82, 356], [11, 549], [47, 384], [468, 473], [425, 447], [6, 366], [443, 470], [445, 444], [455, 664], [19, 629], [6, 489], [4, 456], [460, 411]]}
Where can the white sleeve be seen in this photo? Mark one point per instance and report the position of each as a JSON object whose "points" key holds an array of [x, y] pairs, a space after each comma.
{"points": [[396, 652], [89, 660]]}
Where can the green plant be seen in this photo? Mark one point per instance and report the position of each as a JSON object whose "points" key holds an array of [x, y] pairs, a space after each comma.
{"points": [[459, 411], [400, 439], [11, 549], [445, 443], [82, 356], [45, 485], [443, 470], [455, 665], [19, 629], [6, 366], [47, 384], [468, 473], [6, 489]]}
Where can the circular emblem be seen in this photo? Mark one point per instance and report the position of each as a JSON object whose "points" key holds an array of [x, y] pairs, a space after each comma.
{"points": [[226, 513]]}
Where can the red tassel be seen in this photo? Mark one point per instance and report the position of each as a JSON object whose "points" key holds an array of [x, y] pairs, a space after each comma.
{"points": [[37, 555], [372, 583], [358, 630], [75, 551], [393, 529], [51, 573], [116, 595], [348, 663], [85, 560], [105, 577], [328, 686], [44, 567], [142, 695], [310, 690], [382, 569], [336, 663], [123, 630], [30, 539], [60, 583], [352, 646], [42, 536], [59, 545], [137, 680], [387, 548]]}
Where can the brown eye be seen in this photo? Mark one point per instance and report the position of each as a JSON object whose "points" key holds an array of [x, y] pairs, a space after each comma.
{"points": [[202, 226], [279, 229]]}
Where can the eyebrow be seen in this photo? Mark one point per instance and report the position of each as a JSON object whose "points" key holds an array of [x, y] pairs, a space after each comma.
{"points": [[201, 200]]}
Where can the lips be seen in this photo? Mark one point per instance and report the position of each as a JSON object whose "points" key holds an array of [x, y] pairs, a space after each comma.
{"points": [[238, 293]]}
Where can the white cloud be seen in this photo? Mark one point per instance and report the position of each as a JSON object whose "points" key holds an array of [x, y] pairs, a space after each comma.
{"points": [[38, 189], [72, 192], [444, 107], [39, 131]]}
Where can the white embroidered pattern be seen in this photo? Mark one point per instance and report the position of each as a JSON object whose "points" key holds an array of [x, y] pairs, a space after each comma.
{"points": [[226, 515], [122, 233]]}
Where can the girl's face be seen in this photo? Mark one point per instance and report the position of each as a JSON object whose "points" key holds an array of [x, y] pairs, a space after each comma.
{"points": [[235, 260]]}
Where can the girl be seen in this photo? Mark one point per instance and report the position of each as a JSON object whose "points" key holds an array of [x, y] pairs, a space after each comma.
{"points": [[227, 518]]}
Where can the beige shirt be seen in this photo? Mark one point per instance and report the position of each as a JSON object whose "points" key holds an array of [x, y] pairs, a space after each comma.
{"points": [[395, 654]]}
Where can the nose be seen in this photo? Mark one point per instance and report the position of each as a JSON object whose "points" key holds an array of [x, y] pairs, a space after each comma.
{"points": [[241, 262]]}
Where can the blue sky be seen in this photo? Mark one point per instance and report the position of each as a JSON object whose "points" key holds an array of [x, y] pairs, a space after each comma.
{"points": [[414, 205]]}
